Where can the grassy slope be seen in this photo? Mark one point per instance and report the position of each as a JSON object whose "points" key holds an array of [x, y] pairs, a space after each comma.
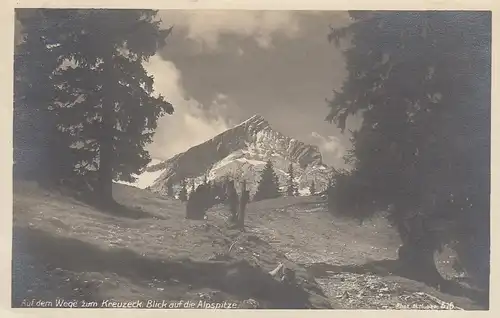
{"points": [[63, 248]]}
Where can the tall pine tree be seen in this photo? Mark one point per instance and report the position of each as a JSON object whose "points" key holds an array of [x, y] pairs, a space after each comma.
{"points": [[291, 187], [103, 102], [312, 188], [183, 195], [193, 186], [422, 81], [170, 189], [268, 187], [39, 148]]}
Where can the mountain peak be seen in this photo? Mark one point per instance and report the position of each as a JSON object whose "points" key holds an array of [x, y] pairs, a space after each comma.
{"points": [[255, 118], [256, 121], [240, 153]]}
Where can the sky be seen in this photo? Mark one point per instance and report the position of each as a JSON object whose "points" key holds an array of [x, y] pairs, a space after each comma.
{"points": [[219, 68]]}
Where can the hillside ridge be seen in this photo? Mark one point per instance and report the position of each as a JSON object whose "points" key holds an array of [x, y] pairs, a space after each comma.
{"points": [[63, 248]]}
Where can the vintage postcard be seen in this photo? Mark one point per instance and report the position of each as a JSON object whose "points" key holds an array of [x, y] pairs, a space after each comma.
{"points": [[280, 158]]}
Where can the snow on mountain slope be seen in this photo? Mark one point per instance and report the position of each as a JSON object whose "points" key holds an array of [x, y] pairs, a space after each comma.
{"points": [[240, 153], [147, 178]]}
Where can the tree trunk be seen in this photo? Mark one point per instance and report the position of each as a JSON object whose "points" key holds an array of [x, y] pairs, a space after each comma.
{"points": [[418, 263], [105, 171], [105, 194], [233, 205], [416, 255], [241, 217]]}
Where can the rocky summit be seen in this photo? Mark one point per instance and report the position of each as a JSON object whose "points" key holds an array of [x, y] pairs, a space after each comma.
{"points": [[241, 153]]}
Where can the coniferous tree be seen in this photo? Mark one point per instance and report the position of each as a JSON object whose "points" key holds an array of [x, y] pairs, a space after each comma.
{"points": [[268, 187], [183, 191], [41, 152], [103, 104], [422, 81], [170, 189], [312, 188], [224, 189], [212, 190], [193, 187], [277, 183], [291, 189]]}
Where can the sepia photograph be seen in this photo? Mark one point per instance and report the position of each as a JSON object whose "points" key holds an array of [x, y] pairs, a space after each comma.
{"points": [[251, 159]]}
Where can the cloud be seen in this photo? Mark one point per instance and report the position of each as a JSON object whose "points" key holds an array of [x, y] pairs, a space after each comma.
{"points": [[192, 123], [207, 27], [330, 145]]}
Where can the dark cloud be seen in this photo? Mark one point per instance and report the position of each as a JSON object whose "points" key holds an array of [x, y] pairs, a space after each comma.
{"points": [[286, 79]]}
